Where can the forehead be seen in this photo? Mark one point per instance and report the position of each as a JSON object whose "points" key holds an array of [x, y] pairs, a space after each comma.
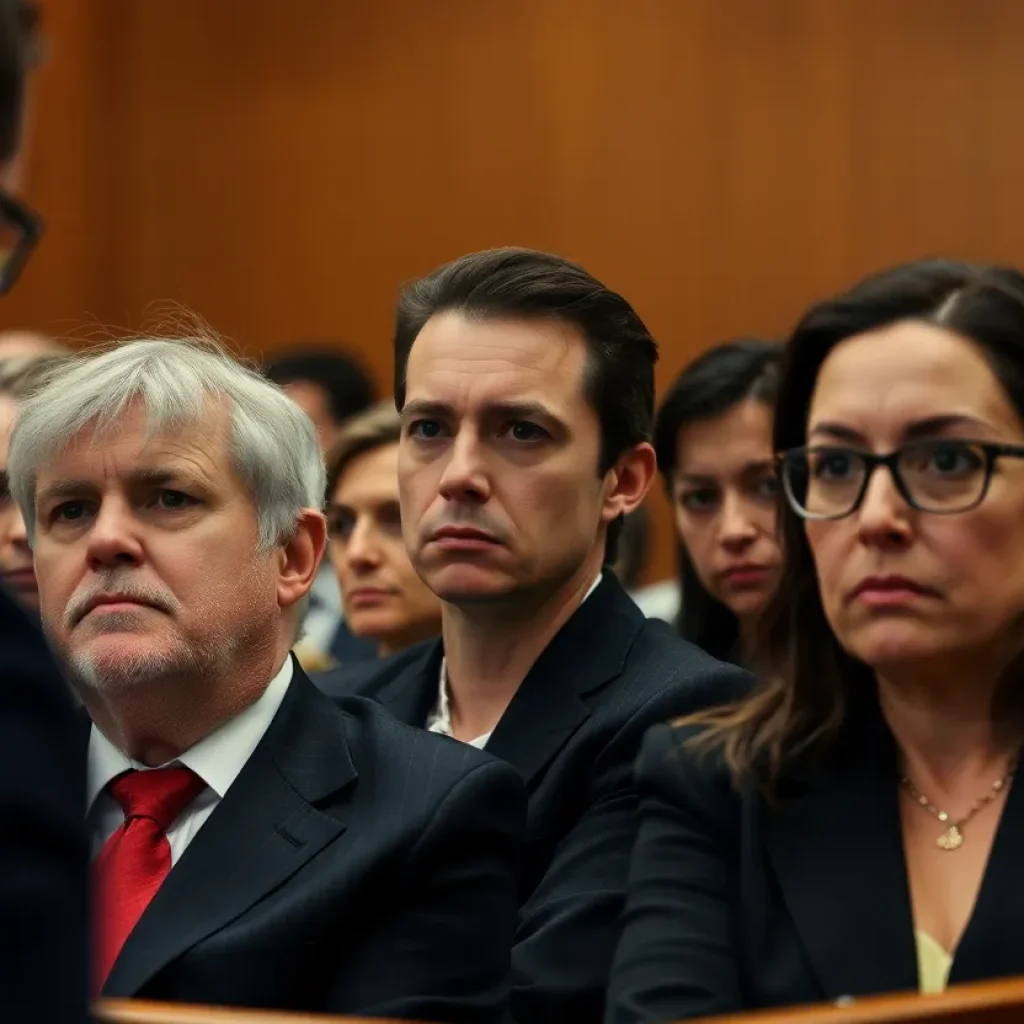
{"points": [[739, 436], [908, 371], [199, 449], [372, 475], [470, 363]]}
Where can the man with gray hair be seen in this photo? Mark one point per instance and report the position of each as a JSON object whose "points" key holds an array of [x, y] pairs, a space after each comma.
{"points": [[255, 843]]}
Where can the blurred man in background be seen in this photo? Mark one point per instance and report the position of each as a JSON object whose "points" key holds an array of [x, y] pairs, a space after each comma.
{"points": [[330, 386], [18, 376], [21, 343], [43, 852]]}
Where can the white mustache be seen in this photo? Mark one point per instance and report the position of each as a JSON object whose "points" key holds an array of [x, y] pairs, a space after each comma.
{"points": [[117, 583]]}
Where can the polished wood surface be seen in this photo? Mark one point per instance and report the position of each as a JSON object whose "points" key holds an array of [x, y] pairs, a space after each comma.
{"points": [[991, 1002], [127, 1011], [995, 1002], [280, 168]]}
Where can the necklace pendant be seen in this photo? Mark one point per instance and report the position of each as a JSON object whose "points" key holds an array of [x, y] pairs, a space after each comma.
{"points": [[951, 839]]}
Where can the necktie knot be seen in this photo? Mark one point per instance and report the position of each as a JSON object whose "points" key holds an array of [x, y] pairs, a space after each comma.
{"points": [[160, 794]]}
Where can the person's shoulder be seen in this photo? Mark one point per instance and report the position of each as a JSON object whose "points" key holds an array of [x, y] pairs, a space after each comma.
{"points": [[386, 745], [676, 765], [669, 676], [365, 678]]}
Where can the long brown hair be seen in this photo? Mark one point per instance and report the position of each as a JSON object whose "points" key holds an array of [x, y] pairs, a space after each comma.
{"points": [[808, 682]]}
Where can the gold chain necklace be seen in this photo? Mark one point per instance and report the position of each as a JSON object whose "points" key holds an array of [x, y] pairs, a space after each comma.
{"points": [[953, 836]]}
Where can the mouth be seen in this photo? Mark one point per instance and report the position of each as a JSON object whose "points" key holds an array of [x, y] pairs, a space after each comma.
{"points": [[361, 597], [463, 538], [21, 579], [889, 591], [111, 603], [747, 575]]}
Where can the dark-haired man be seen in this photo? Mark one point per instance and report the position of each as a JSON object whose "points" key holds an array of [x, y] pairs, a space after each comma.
{"points": [[43, 851], [526, 389]]}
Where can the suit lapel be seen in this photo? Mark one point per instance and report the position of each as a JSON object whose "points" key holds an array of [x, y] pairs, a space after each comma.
{"points": [[590, 650], [837, 850], [263, 831], [991, 945], [412, 694]]}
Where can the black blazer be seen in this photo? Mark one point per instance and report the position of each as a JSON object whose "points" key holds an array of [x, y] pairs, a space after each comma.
{"points": [[572, 731], [43, 849], [355, 866], [735, 904]]}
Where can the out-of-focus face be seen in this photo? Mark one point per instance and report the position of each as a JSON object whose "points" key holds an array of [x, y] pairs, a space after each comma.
{"points": [[15, 554], [498, 461], [384, 598], [724, 494], [905, 589], [312, 399], [148, 559]]}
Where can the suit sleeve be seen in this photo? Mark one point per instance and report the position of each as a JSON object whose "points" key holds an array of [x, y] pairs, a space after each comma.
{"points": [[43, 850], [676, 958], [456, 903]]}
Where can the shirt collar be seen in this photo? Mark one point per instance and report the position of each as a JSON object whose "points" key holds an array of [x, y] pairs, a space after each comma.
{"points": [[216, 759], [442, 711]]}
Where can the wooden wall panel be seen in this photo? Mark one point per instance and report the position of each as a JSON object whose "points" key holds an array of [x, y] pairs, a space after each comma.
{"points": [[280, 168]]}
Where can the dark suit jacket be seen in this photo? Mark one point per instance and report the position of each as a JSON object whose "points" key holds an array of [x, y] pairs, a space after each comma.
{"points": [[736, 904], [573, 730], [355, 866], [43, 849]]}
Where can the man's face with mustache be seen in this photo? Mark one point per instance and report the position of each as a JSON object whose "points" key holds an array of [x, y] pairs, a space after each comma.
{"points": [[498, 458], [147, 555]]}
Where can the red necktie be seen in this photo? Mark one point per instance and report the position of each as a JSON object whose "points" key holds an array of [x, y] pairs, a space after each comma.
{"points": [[135, 860]]}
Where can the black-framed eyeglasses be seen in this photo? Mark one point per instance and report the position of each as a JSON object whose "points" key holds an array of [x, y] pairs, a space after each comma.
{"points": [[20, 230], [944, 476]]}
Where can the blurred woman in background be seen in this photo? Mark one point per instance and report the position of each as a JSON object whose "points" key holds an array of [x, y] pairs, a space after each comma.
{"points": [[852, 826], [713, 437], [384, 600]]}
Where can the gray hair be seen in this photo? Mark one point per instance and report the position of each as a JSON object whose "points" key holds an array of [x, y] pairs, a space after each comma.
{"points": [[273, 443]]}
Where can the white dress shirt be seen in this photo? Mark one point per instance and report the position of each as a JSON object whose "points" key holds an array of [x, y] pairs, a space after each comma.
{"points": [[440, 718], [216, 759]]}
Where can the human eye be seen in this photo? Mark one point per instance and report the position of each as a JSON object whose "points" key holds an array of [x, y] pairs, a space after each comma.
{"points": [[170, 500], [69, 511], [526, 432], [948, 459], [766, 488], [699, 499], [833, 464], [426, 430]]}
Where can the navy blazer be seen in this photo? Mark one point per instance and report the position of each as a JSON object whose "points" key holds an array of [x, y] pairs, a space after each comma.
{"points": [[738, 904], [572, 731], [355, 866], [43, 850]]}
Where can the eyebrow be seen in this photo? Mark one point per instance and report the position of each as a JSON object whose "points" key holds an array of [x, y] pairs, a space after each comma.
{"points": [[139, 477], [928, 427], [508, 410], [746, 469]]}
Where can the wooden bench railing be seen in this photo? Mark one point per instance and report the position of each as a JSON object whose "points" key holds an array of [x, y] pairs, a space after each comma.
{"points": [[990, 1002]]}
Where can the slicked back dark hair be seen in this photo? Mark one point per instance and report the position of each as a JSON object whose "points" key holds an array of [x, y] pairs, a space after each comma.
{"points": [[523, 284]]}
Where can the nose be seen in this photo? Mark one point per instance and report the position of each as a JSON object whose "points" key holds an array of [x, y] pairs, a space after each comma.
{"points": [[464, 479], [883, 518], [363, 549], [113, 538], [737, 528]]}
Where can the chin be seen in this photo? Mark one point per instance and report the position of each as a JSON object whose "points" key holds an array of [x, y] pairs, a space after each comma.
{"points": [[465, 581], [895, 643], [748, 603], [112, 663]]}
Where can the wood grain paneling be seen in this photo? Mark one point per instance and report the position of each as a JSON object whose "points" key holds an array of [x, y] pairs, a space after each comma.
{"points": [[280, 168]]}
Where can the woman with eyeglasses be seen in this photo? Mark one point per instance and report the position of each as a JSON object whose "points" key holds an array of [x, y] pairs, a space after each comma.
{"points": [[852, 825]]}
